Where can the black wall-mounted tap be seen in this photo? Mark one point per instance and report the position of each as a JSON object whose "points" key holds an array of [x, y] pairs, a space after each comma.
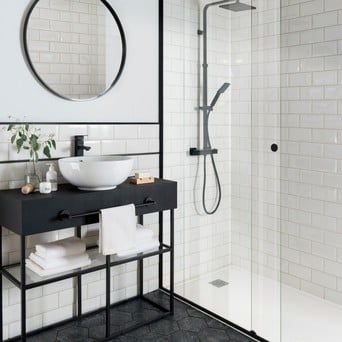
{"points": [[79, 146]]}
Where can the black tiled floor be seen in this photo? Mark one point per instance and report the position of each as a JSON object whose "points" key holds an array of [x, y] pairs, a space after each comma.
{"points": [[187, 325]]}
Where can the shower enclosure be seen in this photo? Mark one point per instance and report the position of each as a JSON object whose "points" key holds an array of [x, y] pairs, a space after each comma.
{"points": [[268, 258]]}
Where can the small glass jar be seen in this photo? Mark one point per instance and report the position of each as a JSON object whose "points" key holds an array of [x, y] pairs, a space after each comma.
{"points": [[31, 175]]}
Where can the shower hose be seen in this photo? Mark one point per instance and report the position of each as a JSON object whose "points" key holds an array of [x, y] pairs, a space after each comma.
{"points": [[217, 179]]}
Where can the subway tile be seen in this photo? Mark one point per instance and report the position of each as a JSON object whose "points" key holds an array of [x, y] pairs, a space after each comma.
{"points": [[331, 5], [323, 279]]}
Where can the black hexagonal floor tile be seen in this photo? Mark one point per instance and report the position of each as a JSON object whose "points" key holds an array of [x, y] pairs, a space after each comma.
{"points": [[74, 334], [193, 324], [98, 332], [213, 335], [183, 336], [187, 325], [164, 327], [145, 315], [119, 317], [91, 321]]}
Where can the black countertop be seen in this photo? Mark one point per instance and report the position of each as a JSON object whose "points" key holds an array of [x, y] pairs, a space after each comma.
{"points": [[38, 213]]}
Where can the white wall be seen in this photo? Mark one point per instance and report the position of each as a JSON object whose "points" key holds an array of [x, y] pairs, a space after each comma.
{"points": [[139, 80]]}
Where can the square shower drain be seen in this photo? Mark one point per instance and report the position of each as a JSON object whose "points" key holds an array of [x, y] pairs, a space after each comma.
{"points": [[219, 283]]}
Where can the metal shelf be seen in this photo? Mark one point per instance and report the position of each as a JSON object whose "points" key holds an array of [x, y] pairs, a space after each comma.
{"points": [[98, 262]]}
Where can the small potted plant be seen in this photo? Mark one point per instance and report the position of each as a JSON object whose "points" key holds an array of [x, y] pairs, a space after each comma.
{"points": [[29, 138]]}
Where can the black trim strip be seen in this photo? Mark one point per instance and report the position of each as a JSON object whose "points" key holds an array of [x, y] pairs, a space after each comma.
{"points": [[80, 123], [54, 159], [234, 326], [161, 88]]}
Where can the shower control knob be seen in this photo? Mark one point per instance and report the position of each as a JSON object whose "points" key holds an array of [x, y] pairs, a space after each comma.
{"points": [[274, 147]]}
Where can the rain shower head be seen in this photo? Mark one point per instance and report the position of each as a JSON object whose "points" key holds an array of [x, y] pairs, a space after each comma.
{"points": [[224, 87], [238, 7]]}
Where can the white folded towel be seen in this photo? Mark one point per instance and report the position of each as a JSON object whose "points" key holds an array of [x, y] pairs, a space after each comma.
{"points": [[117, 229], [61, 248], [143, 246], [144, 233], [50, 263], [44, 273]]}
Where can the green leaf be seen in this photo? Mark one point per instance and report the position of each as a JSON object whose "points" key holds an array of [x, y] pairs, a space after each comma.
{"points": [[13, 138], [26, 148], [20, 143], [27, 126], [53, 143], [34, 142], [36, 156], [10, 127], [46, 151]]}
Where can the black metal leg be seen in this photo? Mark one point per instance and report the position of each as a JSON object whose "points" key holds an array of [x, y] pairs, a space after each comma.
{"points": [[1, 317], [161, 232], [79, 281], [141, 267], [141, 277], [23, 287], [107, 295], [172, 254]]}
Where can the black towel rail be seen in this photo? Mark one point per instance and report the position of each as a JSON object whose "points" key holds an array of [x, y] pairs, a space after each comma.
{"points": [[65, 214]]}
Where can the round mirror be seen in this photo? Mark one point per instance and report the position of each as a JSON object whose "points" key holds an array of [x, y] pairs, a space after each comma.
{"points": [[75, 48]]}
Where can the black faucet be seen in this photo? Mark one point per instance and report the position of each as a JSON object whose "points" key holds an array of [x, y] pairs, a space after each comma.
{"points": [[79, 146]]}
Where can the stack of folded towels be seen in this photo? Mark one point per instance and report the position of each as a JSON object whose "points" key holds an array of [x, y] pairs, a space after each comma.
{"points": [[119, 233], [58, 257], [144, 242]]}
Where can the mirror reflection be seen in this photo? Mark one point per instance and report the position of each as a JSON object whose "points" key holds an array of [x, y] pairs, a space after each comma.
{"points": [[75, 48]]}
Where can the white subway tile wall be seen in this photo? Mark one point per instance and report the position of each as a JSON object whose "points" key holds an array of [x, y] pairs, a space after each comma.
{"points": [[311, 146], [202, 241], [295, 195]]}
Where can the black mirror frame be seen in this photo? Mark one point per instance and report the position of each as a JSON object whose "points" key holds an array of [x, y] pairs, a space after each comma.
{"points": [[40, 80]]}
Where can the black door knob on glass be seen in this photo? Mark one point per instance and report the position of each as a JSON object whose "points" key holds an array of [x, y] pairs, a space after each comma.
{"points": [[274, 147]]}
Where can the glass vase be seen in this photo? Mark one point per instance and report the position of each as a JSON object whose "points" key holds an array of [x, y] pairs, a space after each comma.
{"points": [[31, 175]]}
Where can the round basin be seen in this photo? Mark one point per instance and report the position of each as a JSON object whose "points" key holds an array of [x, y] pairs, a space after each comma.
{"points": [[96, 173]]}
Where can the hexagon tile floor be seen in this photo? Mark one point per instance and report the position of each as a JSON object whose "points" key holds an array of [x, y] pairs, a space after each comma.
{"points": [[187, 325]]}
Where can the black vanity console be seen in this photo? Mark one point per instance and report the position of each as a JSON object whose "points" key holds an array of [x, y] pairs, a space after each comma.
{"points": [[69, 207]]}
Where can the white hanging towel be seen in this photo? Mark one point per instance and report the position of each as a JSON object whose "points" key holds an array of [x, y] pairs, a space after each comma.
{"points": [[61, 248], [117, 229]]}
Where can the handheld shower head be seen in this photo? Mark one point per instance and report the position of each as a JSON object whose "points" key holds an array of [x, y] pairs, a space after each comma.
{"points": [[222, 90]]}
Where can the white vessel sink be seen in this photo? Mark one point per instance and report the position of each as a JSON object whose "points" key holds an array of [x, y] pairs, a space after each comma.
{"points": [[96, 173]]}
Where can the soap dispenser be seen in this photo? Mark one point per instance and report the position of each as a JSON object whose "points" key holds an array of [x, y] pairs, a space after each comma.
{"points": [[51, 176]]}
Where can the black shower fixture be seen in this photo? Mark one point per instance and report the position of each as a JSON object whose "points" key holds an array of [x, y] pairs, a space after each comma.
{"points": [[218, 94], [235, 6], [238, 7]]}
